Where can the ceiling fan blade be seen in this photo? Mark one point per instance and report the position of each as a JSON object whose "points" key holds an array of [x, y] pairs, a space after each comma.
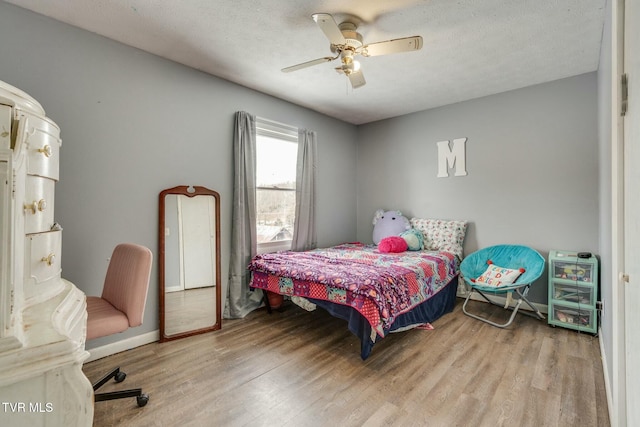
{"points": [[308, 64], [357, 79], [329, 27], [406, 44]]}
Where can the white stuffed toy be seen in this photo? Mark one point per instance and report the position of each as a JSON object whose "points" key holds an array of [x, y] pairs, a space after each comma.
{"points": [[389, 223]]}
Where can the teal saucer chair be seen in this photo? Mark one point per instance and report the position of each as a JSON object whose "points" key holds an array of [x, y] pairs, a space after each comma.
{"points": [[507, 256]]}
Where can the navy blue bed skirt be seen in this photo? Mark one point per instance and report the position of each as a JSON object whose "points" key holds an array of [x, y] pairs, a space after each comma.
{"points": [[441, 303]]}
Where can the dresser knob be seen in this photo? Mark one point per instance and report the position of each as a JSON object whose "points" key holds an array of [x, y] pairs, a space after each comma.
{"points": [[46, 150], [33, 207], [36, 206], [49, 259]]}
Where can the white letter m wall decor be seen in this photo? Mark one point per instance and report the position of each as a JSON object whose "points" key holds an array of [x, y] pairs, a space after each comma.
{"points": [[447, 158]]}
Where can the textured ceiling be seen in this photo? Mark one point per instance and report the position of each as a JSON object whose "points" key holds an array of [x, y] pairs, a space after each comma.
{"points": [[472, 48]]}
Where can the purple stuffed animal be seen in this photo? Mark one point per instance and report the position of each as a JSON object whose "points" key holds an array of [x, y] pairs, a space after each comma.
{"points": [[389, 223]]}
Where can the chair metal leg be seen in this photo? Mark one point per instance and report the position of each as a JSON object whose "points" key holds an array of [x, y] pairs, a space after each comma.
{"points": [[536, 312], [141, 398], [115, 373], [120, 394], [514, 309]]}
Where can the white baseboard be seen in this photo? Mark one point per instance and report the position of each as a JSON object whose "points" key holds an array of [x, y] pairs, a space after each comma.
{"points": [[126, 344], [502, 300], [607, 382]]}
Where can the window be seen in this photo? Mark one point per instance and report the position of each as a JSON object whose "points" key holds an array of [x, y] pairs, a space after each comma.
{"points": [[276, 157]]}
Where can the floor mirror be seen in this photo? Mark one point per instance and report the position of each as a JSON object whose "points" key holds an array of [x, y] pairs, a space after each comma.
{"points": [[189, 262]]}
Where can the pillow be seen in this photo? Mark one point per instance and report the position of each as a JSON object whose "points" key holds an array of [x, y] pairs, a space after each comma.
{"points": [[414, 239], [392, 244], [441, 235], [498, 276]]}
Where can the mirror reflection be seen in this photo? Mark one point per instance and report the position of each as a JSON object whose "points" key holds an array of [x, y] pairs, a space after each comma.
{"points": [[189, 261]]}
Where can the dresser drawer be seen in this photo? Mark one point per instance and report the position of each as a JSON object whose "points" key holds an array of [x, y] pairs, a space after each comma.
{"points": [[43, 146], [42, 258], [38, 204]]}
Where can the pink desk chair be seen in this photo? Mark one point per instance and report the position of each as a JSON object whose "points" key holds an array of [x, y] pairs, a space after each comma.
{"points": [[120, 307]]}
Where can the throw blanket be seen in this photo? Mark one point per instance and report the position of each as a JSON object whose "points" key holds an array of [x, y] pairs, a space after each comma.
{"points": [[379, 286]]}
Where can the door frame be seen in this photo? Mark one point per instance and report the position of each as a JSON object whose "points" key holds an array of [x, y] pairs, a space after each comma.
{"points": [[619, 401]]}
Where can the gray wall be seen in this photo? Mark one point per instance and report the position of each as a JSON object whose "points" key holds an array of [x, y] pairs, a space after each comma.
{"points": [[532, 163], [134, 124]]}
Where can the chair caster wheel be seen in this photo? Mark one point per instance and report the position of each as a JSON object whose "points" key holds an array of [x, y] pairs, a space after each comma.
{"points": [[142, 400], [120, 376]]}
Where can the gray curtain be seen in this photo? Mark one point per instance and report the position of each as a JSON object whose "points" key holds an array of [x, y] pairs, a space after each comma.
{"points": [[304, 229], [241, 300]]}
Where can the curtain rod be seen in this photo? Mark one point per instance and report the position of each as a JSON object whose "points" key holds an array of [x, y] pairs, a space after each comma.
{"points": [[273, 122]]}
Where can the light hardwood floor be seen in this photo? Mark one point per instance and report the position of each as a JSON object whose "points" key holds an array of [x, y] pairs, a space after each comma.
{"points": [[295, 368]]}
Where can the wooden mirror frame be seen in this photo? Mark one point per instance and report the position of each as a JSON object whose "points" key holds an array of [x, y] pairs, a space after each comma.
{"points": [[189, 191]]}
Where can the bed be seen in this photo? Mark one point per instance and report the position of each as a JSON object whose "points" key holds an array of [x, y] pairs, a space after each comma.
{"points": [[376, 293]]}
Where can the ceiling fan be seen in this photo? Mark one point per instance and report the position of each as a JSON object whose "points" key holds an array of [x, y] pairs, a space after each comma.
{"points": [[346, 43]]}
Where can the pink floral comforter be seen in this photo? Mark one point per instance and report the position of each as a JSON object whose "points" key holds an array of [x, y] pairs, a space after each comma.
{"points": [[379, 286]]}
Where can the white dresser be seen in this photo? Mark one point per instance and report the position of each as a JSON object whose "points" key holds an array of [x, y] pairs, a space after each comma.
{"points": [[42, 316]]}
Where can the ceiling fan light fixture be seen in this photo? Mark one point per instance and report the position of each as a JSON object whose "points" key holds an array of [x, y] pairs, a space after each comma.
{"points": [[349, 65]]}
